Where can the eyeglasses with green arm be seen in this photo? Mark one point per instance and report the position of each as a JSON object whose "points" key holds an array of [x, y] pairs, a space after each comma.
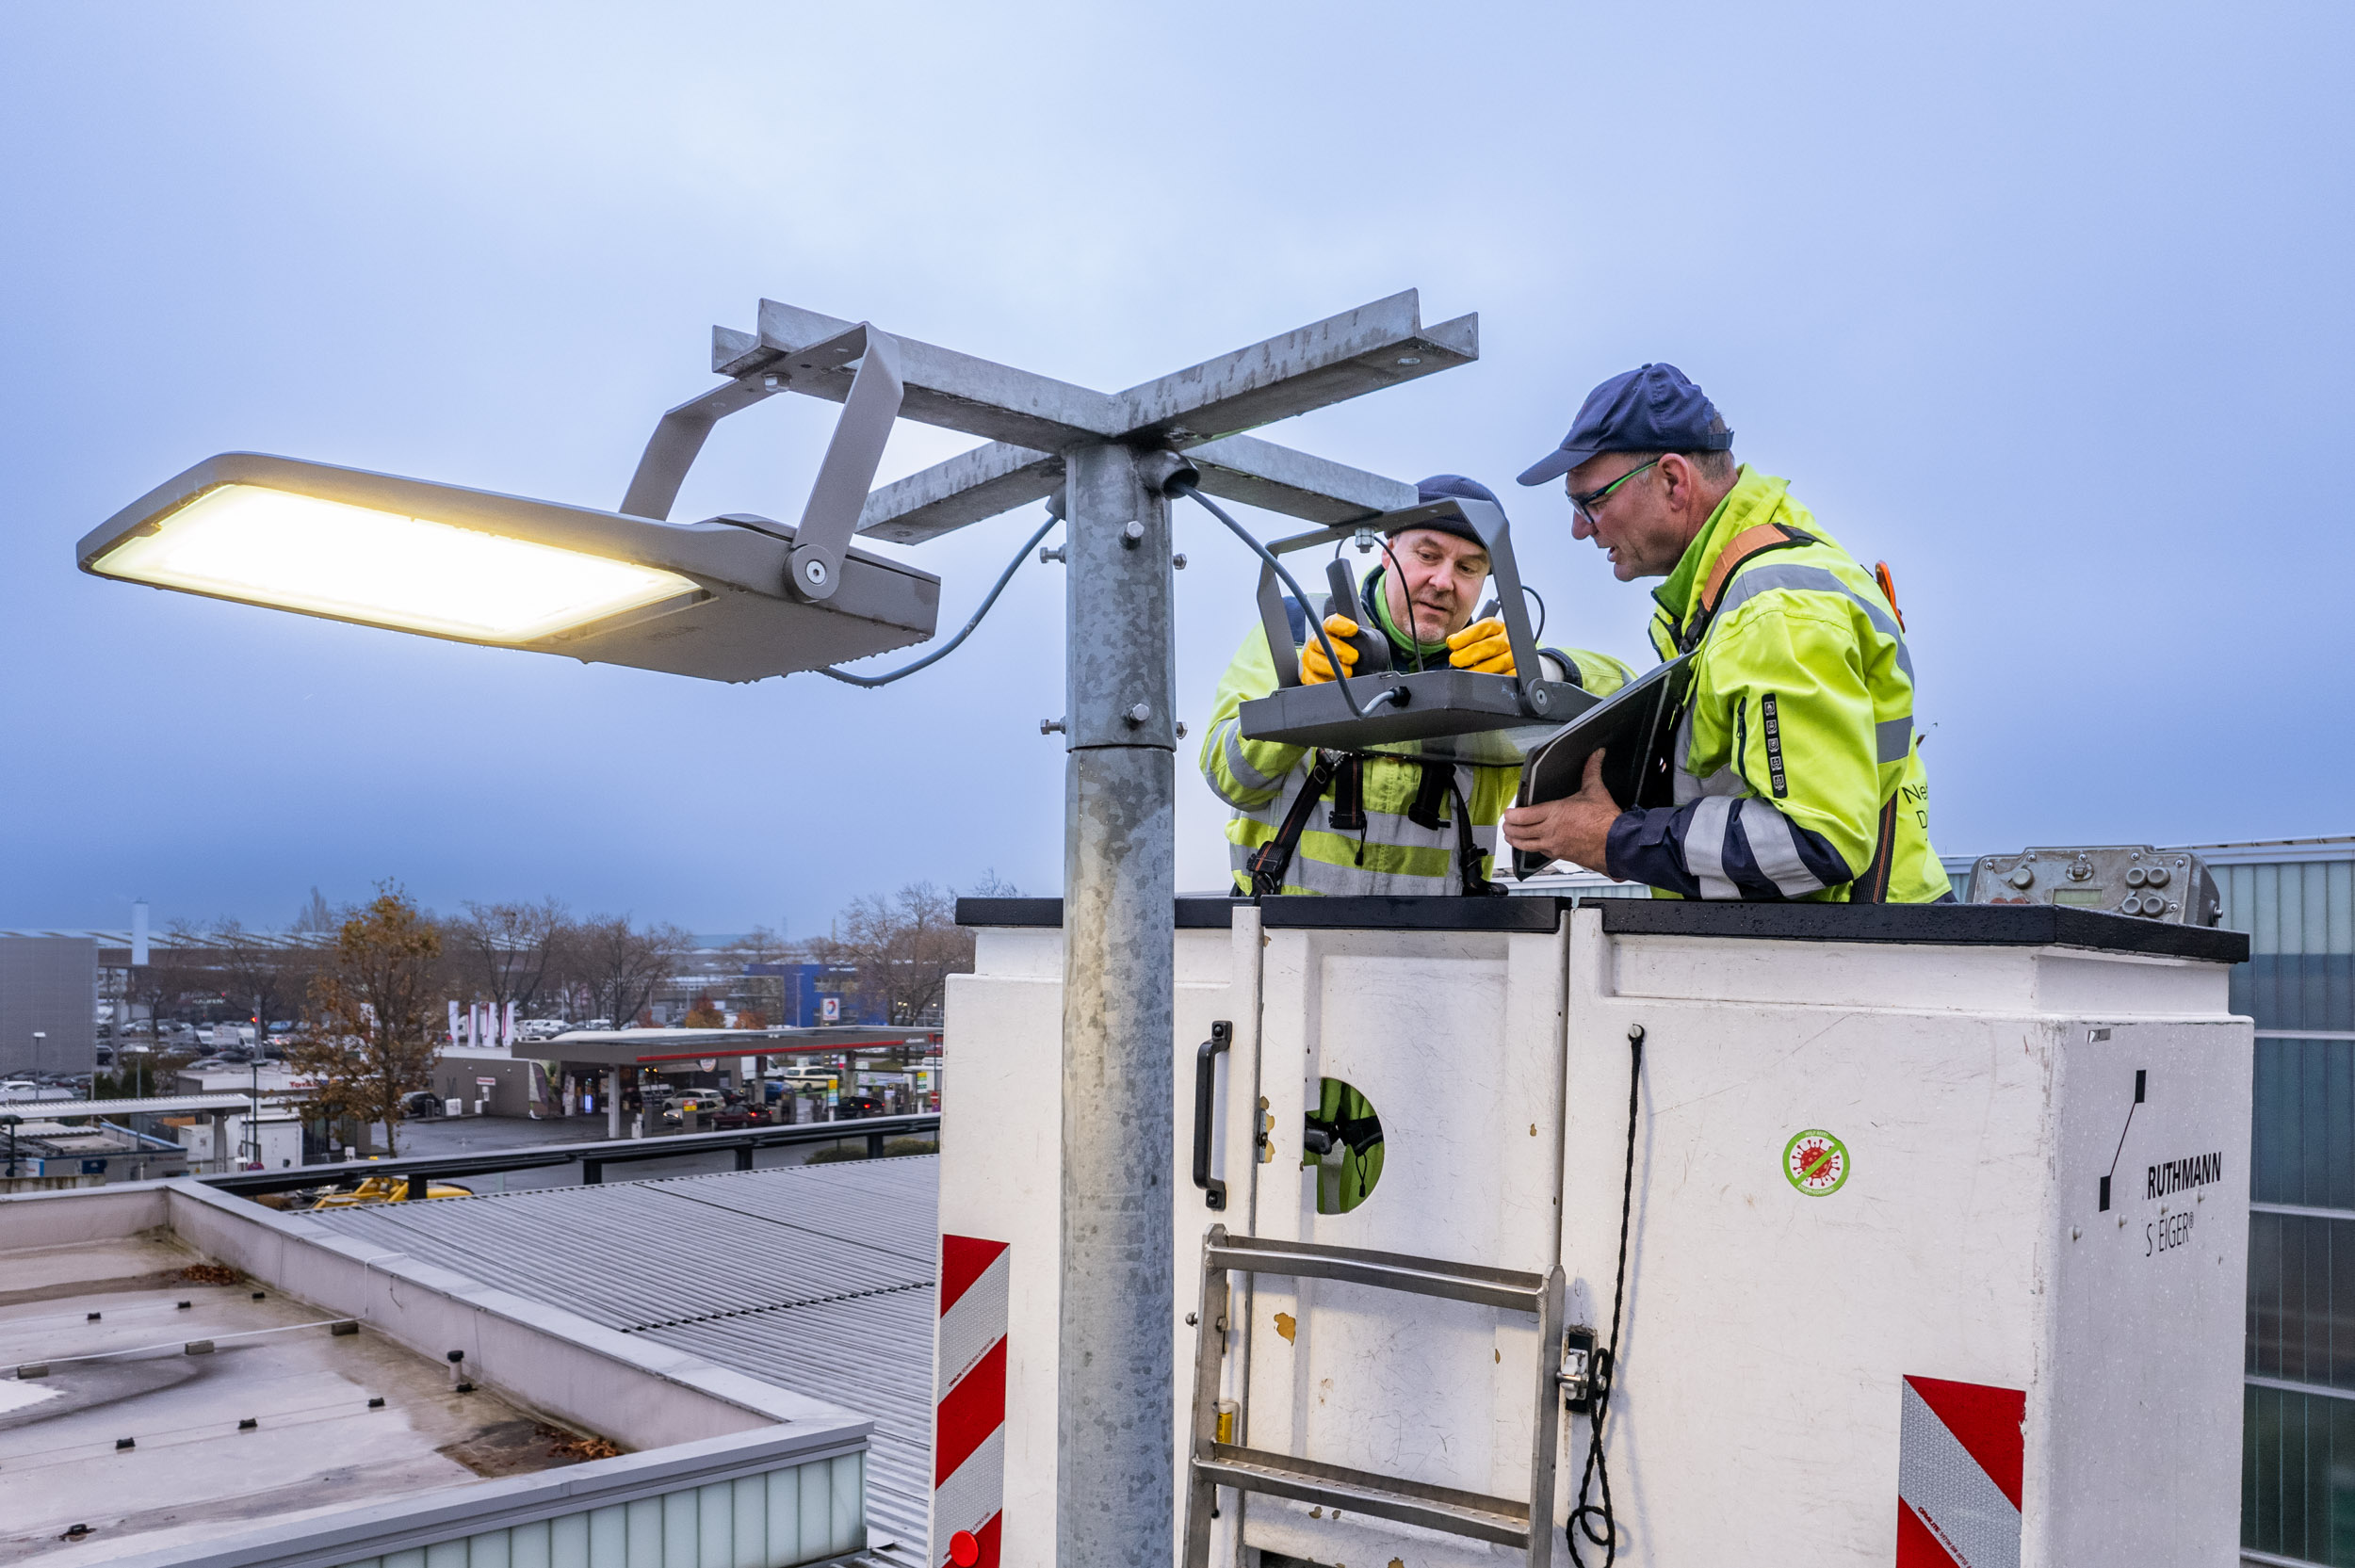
{"points": [[1588, 504]]}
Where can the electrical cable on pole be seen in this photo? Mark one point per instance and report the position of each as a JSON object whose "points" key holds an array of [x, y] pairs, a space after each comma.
{"points": [[950, 646], [1383, 698], [1175, 488]]}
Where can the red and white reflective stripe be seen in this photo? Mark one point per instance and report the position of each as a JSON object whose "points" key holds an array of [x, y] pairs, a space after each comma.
{"points": [[969, 1410], [1960, 1453]]}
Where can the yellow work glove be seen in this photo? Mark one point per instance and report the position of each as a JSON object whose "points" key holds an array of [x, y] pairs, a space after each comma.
{"points": [[1313, 664], [1482, 646]]}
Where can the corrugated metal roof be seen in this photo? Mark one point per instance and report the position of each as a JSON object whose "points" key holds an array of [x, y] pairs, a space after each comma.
{"points": [[817, 1278]]}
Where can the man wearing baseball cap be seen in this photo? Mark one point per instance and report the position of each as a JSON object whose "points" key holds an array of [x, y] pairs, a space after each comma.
{"points": [[1395, 825], [1798, 773]]}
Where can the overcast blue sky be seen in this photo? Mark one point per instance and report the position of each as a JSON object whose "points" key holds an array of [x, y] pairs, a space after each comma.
{"points": [[2048, 306]]}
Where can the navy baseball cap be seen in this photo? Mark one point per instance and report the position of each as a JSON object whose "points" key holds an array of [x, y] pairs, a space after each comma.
{"points": [[1449, 487], [1654, 409]]}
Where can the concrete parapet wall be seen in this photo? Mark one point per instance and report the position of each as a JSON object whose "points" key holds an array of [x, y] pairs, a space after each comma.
{"points": [[774, 1499], [57, 1218]]}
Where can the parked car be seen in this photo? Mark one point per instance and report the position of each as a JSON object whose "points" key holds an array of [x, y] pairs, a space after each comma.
{"points": [[373, 1189], [736, 1116], [726, 1110], [676, 1108], [421, 1103]]}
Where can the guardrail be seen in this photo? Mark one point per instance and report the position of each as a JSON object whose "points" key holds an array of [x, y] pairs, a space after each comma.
{"points": [[592, 1157]]}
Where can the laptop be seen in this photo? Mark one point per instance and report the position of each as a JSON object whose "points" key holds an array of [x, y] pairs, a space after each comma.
{"points": [[1634, 728]]}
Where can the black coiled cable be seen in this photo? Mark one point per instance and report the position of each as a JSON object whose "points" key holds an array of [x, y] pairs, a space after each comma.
{"points": [[1584, 1516]]}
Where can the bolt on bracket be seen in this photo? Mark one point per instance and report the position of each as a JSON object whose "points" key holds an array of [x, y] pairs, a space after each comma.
{"points": [[838, 496], [813, 570]]}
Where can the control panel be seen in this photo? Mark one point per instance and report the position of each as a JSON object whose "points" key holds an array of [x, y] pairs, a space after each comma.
{"points": [[2119, 878]]}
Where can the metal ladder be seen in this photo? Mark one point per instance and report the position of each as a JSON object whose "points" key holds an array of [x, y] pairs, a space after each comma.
{"points": [[1525, 1527]]}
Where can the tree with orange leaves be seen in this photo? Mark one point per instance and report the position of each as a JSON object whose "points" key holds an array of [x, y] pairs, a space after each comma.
{"points": [[368, 1040]]}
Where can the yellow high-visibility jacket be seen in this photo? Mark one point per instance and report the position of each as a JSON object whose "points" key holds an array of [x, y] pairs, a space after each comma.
{"points": [[1798, 769], [1392, 832]]}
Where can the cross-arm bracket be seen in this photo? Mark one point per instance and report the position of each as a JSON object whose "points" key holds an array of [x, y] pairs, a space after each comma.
{"points": [[1031, 421]]}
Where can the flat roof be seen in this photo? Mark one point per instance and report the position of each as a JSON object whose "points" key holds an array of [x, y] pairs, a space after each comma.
{"points": [[50, 1110], [112, 1320], [820, 1279]]}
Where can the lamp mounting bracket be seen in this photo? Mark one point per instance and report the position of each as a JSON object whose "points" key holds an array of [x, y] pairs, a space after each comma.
{"points": [[870, 361]]}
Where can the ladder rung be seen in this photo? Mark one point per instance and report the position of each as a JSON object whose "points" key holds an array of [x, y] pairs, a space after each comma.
{"points": [[1497, 1520], [1497, 1288]]}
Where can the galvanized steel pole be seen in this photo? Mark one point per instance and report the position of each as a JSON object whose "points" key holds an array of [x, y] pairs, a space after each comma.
{"points": [[1115, 1383], [1112, 453]]}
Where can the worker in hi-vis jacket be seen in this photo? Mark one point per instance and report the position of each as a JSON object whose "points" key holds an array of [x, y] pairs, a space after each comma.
{"points": [[1394, 825], [1798, 769]]}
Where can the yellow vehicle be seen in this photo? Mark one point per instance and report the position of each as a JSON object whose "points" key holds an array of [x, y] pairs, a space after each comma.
{"points": [[385, 1189]]}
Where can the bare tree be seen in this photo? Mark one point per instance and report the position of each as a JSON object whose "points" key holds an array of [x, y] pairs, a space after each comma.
{"points": [[762, 945], [259, 972], [163, 984], [367, 1041], [903, 948], [316, 916], [508, 952], [188, 962], [618, 965]]}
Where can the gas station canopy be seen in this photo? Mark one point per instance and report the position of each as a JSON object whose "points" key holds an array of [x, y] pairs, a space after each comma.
{"points": [[654, 1047]]}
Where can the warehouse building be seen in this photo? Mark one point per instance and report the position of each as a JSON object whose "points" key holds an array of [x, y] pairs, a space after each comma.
{"points": [[48, 1003]]}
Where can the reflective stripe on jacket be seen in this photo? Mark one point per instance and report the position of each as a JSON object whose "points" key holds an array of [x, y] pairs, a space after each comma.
{"points": [[1798, 751], [1392, 853]]}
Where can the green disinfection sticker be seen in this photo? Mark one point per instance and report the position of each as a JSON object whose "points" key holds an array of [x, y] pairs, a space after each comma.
{"points": [[1815, 1162]]}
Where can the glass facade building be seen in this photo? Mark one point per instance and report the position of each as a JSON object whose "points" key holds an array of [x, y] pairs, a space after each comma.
{"points": [[2297, 902], [2295, 898]]}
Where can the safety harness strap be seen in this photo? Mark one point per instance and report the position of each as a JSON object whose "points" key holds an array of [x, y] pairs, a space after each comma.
{"points": [[1468, 852], [1274, 857], [1431, 796], [1871, 885], [1360, 1133], [1349, 797], [1437, 790], [1742, 549]]}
